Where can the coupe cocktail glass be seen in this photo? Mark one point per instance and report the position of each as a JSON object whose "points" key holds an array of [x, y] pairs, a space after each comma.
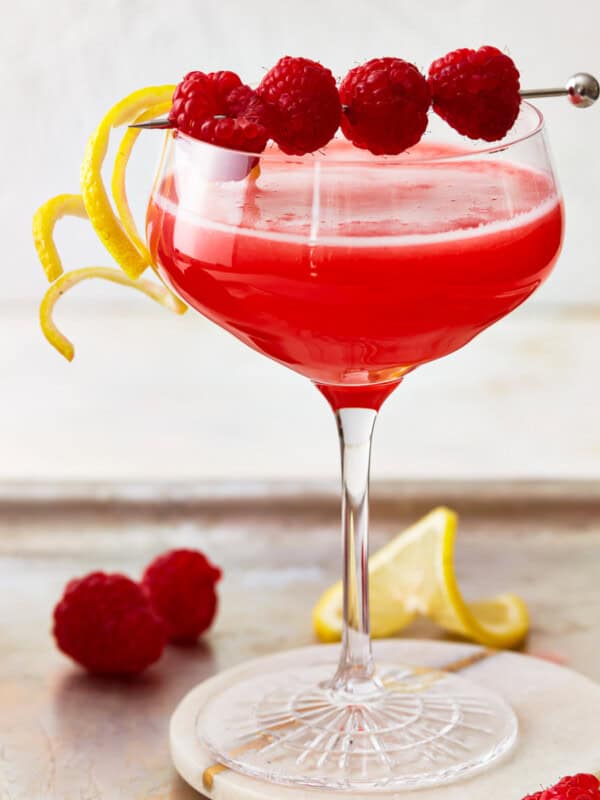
{"points": [[354, 269]]}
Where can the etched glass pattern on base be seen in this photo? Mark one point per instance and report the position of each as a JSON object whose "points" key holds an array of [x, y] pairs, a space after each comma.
{"points": [[418, 728]]}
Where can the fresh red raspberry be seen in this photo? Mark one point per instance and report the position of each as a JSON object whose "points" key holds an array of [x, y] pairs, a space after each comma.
{"points": [[181, 587], [193, 101], [573, 787], [305, 103], [384, 104], [476, 92], [218, 108], [242, 101], [223, 83], [106, 624], [234, 134]]}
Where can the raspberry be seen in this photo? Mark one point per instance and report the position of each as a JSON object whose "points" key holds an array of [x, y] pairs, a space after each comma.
{"points": [[218, 108], [305, 103], [106, 624], [476, 92], [234, 134], [385, 104], [181, 587], [244, 101], [223, 83], [193, 102], [573, 787]]}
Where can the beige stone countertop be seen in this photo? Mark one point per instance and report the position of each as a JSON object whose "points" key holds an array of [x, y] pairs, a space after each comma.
{"points": [[66, 736]]}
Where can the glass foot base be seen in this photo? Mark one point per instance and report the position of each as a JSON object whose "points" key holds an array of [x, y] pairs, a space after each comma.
{"points": [[418, 728]]}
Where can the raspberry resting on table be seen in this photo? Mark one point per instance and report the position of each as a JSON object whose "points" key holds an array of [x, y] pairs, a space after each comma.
{"points": [[385, 104], [218, 108], [305, 102], [476, 92], [573, 787], [106, 624], [180, 585]]}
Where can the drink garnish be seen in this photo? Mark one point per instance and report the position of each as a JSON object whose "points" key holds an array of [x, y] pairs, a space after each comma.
{"points": [[132, 259], [476, 92], [44, 220], [385, 104], [117, 231], [414, 575], [218, 108], [68, 280], [305, 102]]}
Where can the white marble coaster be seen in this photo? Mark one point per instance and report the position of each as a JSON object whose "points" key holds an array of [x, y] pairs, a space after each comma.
{"points": [[558, 711]]}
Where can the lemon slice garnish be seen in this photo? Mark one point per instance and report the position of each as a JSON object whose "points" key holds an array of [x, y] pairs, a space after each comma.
{"points": [[69, 279], [414, 574], [109, 228]]}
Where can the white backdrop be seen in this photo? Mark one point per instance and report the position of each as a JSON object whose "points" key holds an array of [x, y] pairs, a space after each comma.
{"points": [[228, 412]]}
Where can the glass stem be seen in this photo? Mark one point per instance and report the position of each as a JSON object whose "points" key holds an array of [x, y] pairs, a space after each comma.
{"points": [[356, 670]]}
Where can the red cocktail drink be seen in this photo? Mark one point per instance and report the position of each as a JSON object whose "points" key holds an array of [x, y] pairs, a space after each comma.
{"points": [[352, 282]]}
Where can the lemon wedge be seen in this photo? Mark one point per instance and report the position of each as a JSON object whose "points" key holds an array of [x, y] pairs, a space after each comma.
{"points": [[414, 575]]}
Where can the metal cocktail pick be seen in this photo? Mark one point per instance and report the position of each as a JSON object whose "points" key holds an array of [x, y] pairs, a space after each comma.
{"points": [[582, 89]]}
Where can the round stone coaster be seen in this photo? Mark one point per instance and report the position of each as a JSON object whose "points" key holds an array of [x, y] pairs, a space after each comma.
{"points": [[558, 712]]}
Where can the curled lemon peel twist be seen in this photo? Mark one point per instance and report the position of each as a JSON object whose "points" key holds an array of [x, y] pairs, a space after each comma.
{"points": [[67, 280], [119, 175], [117, 232], [44, 220], [108, 226]]}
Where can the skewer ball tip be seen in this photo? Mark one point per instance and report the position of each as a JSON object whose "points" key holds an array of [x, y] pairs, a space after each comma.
{"points": [[583, 89]]}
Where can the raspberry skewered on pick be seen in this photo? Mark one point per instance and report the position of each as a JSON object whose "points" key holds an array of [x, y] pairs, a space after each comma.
{"points": [[476, 92], [218, 108], [385, 104], [305, 104]]}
